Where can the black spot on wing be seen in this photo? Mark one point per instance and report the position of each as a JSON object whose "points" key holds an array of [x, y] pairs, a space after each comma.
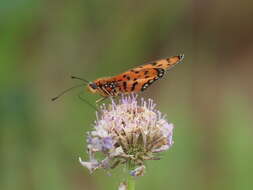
{"points": [[144, 86], [160, 72], [133, 86], [148, 83], [125, 85], [109, 88]]}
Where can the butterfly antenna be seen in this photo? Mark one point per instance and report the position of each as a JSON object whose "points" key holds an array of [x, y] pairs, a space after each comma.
{"points": [[65, 91], [91, 105], [84, 80]]}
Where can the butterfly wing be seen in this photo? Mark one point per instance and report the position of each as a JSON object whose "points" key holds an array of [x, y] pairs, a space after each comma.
{"points": [[135, 86], [140, 78], [136, 79]]}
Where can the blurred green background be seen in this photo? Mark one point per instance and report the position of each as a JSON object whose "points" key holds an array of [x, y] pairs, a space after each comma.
{"points": [[208, 98]]}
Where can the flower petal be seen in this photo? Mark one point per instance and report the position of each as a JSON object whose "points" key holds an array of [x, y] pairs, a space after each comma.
{"points": [[92, 165], [138, 171]]}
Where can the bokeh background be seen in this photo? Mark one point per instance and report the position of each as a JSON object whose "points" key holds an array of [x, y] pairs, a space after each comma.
{"points": [[208, 98]]}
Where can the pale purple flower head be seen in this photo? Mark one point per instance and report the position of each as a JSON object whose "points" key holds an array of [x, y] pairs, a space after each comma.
{"points": [[128, 132]]}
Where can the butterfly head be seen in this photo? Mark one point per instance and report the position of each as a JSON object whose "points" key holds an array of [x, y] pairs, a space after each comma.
{"points": [[92, 87]]}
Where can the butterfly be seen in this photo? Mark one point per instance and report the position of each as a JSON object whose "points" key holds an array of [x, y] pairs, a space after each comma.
{"points": [[134, 80]]}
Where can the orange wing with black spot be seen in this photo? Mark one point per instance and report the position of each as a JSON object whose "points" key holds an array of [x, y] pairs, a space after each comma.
{"points": [[140, 78]]}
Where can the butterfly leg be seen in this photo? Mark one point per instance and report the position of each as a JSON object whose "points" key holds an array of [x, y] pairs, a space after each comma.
{"points": [[101, 99], [81, 98]]}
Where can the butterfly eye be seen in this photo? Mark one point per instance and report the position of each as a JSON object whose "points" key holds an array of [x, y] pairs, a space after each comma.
{"points": [[93, 85]]}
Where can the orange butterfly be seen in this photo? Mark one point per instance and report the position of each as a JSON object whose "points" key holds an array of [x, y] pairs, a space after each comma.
{"points": [[134, 80]]}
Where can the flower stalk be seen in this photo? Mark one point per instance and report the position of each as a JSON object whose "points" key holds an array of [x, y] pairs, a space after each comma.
{"points": [[131, 183]]}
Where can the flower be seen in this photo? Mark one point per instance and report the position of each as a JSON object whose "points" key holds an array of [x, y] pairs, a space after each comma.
{"points": [[128, 132]]}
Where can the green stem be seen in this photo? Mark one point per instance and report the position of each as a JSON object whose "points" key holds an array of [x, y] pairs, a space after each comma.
{"points": [[130, 183]]}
